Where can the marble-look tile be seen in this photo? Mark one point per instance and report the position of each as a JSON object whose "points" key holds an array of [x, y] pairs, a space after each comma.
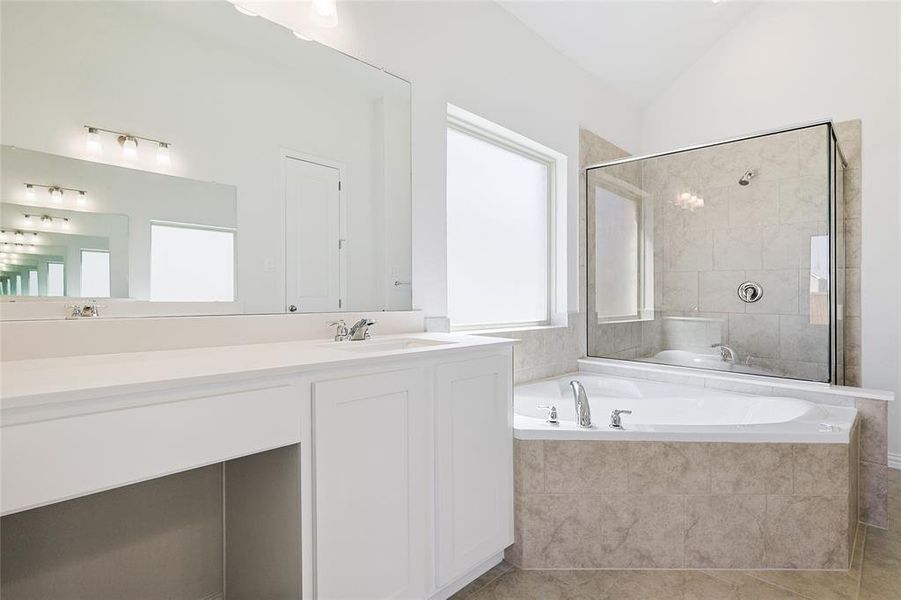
{"points": [[680, 290], [873, 430], [644, 585], [801, 341], [641, 531], [852, 334], [528, 466], [717, 291], [754, 204], [852, 243], [724, 532], [668, 468], [807, 532], [741, 586], [812, 150], [560, 531], [757, 335], [803, 199], [852, 193], [585, 467], [690, 250], [873, 493], [787, 246], [780, 292], [483, 580], [523, 585], [750, 468], [852, 292], [738, 248], [820, 469], [849, 135]]}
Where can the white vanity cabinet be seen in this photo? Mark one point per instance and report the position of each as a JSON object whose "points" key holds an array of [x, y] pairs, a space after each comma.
{"points": [[473, 462], [413, 476]]}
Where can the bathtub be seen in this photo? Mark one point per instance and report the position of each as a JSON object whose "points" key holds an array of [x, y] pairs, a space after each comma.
{"points": [[672, 412]]}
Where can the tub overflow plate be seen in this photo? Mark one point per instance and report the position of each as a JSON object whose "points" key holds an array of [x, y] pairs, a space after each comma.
{"points": [[750, 292]]}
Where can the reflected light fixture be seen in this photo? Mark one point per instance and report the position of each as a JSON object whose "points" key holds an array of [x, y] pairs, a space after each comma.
{"points": [[82, 198], [28, 221], [65, 225], [324, 12], [56, 195], [47, 222], [20, 236], [244, 11], [92, 141], [129, 146], [162, 154], [29, 191]]}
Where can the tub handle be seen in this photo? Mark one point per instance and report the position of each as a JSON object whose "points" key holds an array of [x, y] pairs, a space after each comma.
{"points": [[551, 413], [616, 421]]}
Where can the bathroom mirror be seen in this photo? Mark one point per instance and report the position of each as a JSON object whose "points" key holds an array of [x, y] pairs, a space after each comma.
{"points": [[721, 257], [149, 180]]}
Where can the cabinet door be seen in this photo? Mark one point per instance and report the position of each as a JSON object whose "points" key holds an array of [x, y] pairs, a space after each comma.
{"points": [[474, 459], [372, 441]]}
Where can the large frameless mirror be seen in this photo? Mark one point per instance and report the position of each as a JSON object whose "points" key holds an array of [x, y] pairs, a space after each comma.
{"points": [[166, 158], [720, 257]]}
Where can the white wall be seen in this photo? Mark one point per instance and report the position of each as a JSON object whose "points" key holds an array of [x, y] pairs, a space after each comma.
{"points": [[788, 63], [477, 56]]}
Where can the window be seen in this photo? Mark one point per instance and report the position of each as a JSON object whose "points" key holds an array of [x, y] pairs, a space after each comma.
{"points": [[18, 285], [95, 273], [190, 263], [56, 279], [500, 226], [33, 289], [618, 251]]}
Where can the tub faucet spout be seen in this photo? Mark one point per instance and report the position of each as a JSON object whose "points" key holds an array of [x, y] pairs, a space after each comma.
{"points": [[583, 410]]}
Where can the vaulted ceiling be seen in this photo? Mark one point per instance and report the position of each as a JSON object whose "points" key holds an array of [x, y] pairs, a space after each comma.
{"points": [[637, 47]]}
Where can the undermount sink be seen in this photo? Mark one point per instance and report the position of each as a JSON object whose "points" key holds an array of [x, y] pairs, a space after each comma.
{"points": [[386, 345]]}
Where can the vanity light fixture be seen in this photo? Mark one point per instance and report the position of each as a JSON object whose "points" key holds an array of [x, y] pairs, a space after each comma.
{"points": [[162, 154], [92, 141], [324, 12], [47, 222], [28, 221], [689, 201], [19, 236], [56, 192], [65, 225], [129, 143]]}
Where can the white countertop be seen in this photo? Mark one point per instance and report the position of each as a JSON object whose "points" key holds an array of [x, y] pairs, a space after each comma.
{"points": [[37, 381]]}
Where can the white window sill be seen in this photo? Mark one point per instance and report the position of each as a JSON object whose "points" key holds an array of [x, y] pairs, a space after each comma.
{"points": [[494, 330]]}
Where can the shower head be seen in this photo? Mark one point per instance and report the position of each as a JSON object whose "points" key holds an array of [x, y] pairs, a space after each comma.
{"points": [[746, 178]]}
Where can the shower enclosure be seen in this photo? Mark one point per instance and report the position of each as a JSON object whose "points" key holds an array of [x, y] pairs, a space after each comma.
{"points": [[727, 256]]}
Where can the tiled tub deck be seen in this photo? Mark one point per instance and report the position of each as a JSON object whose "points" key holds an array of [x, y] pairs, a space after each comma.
{"points": [[684, 505]]}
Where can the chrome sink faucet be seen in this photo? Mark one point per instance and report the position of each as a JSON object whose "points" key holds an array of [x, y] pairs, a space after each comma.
{"points": [[341, 333], [360, 330], [727, 354], [583, 410]]}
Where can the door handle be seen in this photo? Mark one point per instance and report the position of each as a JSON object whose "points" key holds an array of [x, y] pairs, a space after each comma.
{"points": [[292, 308]]}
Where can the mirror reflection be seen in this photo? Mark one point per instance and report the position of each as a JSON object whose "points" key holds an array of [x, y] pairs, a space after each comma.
{"points": [[149, 175]]}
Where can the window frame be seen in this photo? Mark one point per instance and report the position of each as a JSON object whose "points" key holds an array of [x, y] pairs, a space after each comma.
{"points": [[195, 227], [482, 129]]}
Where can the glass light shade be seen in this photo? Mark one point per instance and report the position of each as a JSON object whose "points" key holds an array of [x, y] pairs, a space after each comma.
{"points": [[56, 195], [29, 191], [82, 198], [47, 222], [65, 224], [324, 13], [130, 148], [92, 141], [162, 154], [20, 236]]}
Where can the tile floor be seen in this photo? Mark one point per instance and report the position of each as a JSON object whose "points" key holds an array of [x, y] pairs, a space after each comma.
{"points": [[875, 575]]}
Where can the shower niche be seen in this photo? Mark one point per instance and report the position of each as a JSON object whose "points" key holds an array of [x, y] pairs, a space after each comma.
{"points": [[728, 256]]}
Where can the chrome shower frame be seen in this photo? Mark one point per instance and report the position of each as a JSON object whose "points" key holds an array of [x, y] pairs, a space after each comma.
{"points": [[835, 226]]}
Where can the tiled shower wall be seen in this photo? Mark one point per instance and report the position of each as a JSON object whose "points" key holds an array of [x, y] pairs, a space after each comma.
{"points": [[759, 232]]}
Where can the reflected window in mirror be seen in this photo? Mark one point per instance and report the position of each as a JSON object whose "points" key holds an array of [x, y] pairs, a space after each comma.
{"points": [[95, 274], [33, 283], [56, 279], [191, 264]]}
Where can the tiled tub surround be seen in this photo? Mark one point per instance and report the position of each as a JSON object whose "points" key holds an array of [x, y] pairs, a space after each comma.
{"points": [[871, 405], [762, 487], [675, 505], [757, 232]]}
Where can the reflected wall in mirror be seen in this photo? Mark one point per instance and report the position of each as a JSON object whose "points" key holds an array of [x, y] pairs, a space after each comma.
{"points": [[229, 167], [672, 239]]}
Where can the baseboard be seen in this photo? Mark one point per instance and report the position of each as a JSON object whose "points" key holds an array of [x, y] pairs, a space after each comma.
{"points": [[894, 460]]}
